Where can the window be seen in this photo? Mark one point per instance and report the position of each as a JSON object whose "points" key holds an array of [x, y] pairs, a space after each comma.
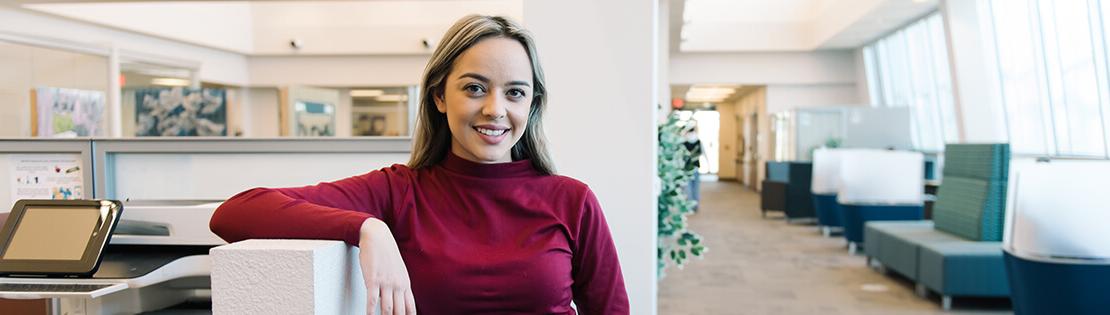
{"points": [[1052, 61], [909, 68]]}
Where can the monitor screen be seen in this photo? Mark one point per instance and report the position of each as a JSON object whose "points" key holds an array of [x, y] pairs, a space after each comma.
{"points": [[53, 233]]}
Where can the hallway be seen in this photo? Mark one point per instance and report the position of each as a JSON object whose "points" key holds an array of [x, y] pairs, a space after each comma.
{"points": [[765, 266]]}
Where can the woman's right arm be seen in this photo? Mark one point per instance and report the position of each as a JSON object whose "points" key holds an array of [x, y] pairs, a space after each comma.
{"points": [[350, 210], [333, 210]]}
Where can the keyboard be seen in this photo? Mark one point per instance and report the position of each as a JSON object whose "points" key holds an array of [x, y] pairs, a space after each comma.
{"points": [[43, 287]]}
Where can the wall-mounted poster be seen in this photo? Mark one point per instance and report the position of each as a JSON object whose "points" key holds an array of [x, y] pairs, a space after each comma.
{"points": [[314, 119], [370, 124], [180, 112], [67, 113], [46, 176]]}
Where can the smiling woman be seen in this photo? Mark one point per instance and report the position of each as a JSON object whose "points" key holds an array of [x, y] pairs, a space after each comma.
{"points": [[487, 79], [477, 222]]}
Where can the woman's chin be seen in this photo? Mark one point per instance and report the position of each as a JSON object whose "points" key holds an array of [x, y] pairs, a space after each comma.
{"points": [[491, 156]]}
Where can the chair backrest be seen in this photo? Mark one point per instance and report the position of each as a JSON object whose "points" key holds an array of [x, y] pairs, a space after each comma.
{"points": [[971, 201], [1061, 211], [826, 171], [881, 177], [778, 171]]}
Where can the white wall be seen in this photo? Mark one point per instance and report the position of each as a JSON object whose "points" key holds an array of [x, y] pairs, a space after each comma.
{"points": [[367, 27], [601, 74], [263, 110], [337, 70], [819, 67], [782, 97], [227, 25], [217, 66]]}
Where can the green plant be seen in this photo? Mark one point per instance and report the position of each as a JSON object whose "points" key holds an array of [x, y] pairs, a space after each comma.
{"points": [[676, 242]]}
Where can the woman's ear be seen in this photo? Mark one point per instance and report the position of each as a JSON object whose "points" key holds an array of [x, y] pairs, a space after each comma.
{"points": [[441, 105]]}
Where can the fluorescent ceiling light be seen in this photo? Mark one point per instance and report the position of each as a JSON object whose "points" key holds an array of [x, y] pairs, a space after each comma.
{"points": [[711, 90], [170, 82], [392, 98], [366, 93]]}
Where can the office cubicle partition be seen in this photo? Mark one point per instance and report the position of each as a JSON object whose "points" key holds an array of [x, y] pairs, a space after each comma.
{"points": [[203, 168]]}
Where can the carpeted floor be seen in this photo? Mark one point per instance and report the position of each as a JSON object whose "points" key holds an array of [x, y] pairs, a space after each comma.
{"points": [[766, 266]]}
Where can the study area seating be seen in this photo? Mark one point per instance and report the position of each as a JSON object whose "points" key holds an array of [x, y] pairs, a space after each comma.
{"points": [[799, 200], [786, 189], [773, 194], [878, 185], [1057, 253], [824, 185], [958, 253]]}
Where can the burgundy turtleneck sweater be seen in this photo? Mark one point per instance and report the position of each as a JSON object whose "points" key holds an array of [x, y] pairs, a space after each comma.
{"points": [[476, 238]]}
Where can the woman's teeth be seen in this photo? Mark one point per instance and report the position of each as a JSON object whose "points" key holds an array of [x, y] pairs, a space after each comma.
{"points": [[491, 132]]}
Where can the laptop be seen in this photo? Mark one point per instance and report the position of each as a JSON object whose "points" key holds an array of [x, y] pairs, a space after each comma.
{"points": [[53, 247]]}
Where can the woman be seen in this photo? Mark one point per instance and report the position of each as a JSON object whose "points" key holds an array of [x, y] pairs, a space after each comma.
{"points": [[477, 215]]}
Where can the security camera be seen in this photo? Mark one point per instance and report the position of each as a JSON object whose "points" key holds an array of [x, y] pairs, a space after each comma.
{"points": [[296, 43]]}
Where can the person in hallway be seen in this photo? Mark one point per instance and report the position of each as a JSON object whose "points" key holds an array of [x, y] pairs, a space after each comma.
{"points": [[477, 222], [693, 145]]}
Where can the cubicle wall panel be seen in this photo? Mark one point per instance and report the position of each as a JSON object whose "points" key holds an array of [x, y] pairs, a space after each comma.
{"points": [[217, 176], [22, 160]]}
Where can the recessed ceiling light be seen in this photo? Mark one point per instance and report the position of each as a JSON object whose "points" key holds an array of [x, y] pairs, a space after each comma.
{"points": [[170, 82], [366, 93], [392, 98]]}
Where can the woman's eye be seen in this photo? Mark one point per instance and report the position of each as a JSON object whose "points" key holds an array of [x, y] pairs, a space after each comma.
{"points": [[516, 93], [475, 89]]}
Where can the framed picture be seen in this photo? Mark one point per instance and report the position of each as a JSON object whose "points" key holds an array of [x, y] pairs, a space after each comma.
{"points": [[314, 119], [66, 113], [370, 124], [180, 112]]}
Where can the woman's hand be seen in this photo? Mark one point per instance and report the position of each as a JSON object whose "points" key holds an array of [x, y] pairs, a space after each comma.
{"points": [[387, 278]]}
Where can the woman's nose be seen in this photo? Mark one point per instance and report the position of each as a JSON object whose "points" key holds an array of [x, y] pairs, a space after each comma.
{"points": [[494, 107]]}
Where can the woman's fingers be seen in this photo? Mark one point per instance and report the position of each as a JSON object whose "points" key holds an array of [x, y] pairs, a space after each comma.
{"points": [[387, 301], [399, 302], [410, 303], [373, 295]]}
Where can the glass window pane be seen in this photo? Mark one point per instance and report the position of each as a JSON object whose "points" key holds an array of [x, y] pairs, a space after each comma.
{"points": [[1020, 62], [1075, 87], [913, 72]]}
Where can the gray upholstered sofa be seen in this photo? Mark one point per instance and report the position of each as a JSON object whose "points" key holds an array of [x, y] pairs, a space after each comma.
{"points": [[959, 253]]}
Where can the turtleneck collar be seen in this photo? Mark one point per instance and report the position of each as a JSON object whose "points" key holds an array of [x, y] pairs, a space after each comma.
{"points": [[520, 168]]}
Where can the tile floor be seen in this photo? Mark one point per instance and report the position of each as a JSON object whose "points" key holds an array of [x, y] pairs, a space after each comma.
{"points": [[766, 266]]}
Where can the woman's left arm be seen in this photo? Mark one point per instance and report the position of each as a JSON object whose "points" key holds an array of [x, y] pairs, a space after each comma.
{"points": [[598, 283]]}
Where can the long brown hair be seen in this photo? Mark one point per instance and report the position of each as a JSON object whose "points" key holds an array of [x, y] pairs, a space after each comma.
{"points": [[433, 137]]}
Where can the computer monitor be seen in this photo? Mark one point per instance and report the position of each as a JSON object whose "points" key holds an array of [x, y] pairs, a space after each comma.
{"points": [[57, 237]]}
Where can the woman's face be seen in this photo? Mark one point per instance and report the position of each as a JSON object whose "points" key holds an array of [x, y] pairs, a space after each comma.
{"points": [[486, 98]]}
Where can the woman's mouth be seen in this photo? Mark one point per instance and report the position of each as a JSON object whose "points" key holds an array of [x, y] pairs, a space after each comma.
{"points": [[492, 135]]}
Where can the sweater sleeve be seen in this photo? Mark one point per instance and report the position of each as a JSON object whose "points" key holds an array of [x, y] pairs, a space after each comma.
{"points": [[331, 210], [598, 283]]}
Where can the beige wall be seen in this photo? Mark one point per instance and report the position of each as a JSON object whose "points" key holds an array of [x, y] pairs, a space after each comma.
{"points": [[23, 68], [756, 146]]}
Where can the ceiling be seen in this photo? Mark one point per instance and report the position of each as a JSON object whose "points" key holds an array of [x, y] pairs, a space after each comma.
{"points": [[787, 25], [399, 27], [335, 27]]}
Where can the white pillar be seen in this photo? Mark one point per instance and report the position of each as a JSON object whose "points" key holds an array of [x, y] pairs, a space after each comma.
{"points": [[602, 77], [115, 102]]}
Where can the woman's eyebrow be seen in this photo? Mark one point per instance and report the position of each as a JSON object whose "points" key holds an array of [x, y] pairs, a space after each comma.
{"points": [[484, 79]]}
